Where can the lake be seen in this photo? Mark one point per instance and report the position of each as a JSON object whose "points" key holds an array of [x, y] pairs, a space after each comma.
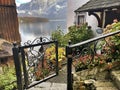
{"points": [[32, 30]]}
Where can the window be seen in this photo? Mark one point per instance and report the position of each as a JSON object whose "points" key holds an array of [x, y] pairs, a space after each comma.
{"points": [[81, 19]]}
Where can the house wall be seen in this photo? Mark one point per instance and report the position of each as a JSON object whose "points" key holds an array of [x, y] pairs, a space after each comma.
{"points": [[77, 22], [92, 21], [72, 17], [72, 6]]}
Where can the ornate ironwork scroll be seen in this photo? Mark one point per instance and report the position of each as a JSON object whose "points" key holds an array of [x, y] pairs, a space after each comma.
{"points": [[35, 63], [37, 41], [93, 54]]}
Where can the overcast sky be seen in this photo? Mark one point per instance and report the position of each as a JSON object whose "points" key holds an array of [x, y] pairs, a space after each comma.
{"points": [[18, 2]]}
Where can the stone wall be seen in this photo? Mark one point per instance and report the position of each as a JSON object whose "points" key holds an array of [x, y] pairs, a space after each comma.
{"points": [[88, 76]]}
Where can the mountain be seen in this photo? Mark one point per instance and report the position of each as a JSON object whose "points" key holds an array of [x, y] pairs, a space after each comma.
{"points": [[51, 9]]}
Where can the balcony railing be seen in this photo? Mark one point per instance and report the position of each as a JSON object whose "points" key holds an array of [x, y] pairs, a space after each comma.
{"points": [[87, 51], [31, 65]]}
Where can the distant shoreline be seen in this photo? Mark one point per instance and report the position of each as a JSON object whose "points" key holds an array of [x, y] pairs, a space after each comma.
{"points": [[57, 20], [32, 19]]}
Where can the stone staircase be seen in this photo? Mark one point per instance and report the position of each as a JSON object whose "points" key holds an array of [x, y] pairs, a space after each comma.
{"points": [[104, 80], [105, 85], [99, 80], [108, 80], [115, 76]]}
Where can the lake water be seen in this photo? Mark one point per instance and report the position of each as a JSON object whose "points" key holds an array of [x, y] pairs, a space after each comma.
{"points": [[30, 31]]}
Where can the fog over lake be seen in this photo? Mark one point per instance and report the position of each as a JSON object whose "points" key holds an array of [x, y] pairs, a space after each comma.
{"points": [[31, 30]]}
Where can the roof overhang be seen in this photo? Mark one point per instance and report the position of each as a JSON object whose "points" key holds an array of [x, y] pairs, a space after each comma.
{"points": [[99, 5]]}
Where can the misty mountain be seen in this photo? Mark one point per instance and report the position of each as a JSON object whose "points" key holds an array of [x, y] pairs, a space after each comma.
{"points": [[52, 9]]}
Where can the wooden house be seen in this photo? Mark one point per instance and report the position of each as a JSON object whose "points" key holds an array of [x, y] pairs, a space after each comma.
{"points": [[9, 29], [72, 6], [105, 11]]}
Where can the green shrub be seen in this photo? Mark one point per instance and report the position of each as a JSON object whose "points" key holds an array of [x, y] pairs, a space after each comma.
{"points": [[8, 79], [75, 34], [60, 37], [79, 34]]}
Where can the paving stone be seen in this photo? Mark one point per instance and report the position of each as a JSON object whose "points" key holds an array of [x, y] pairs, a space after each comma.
{"points": [[103, 84], [106, 88], [43, 85], [34, 88], [58, 88], [115, 75], [102, 75], [59, 85], [49, 86]]}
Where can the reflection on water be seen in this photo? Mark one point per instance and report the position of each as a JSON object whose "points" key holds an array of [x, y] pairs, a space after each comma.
{"points": [[29, 31]]}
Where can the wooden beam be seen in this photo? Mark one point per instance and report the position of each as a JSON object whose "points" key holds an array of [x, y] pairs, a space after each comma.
{"points": [[97, 17], [103, 19]]}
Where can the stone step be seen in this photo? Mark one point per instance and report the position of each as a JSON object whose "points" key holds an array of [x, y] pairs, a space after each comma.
{"points": [[105, 85], [106, 88], [115, 76], [50, 86]]}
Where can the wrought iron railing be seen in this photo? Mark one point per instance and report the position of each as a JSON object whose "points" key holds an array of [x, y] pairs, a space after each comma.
{"points": [[32, 66], [87, 51]]}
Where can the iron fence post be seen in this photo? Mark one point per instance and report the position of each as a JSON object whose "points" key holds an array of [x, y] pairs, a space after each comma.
{"points": [[26, 81], [42, 51], [17, 63], [69, 67], [56, 49]]}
